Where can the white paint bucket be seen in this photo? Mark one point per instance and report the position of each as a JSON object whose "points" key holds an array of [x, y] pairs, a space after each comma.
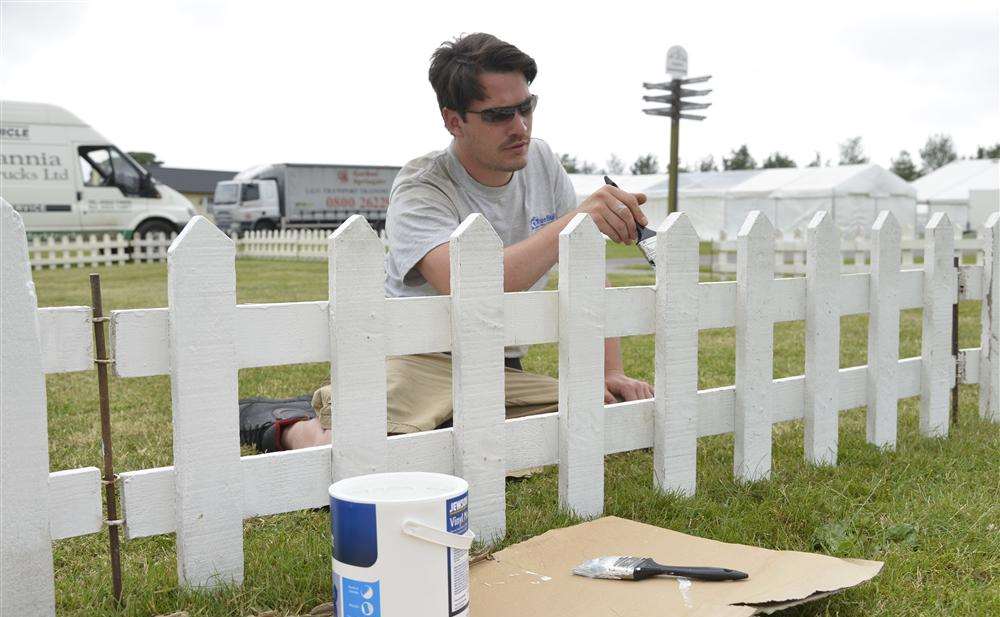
{"points": [[400, 545]]}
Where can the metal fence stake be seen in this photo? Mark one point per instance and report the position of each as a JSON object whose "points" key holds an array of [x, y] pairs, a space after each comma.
{"points": [[110, 491], [954, 350]]}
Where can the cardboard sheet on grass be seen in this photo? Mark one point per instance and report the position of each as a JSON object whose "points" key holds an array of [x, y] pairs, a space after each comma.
{"points": [[534, 577]]}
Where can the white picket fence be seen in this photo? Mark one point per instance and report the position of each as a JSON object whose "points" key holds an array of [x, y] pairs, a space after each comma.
{"points": [[305, 244], [202, 338], [790, 254], [93, 250], [69, 251]]}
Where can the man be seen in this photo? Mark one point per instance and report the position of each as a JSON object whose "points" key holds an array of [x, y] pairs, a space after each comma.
{"points": [[493, 167]]}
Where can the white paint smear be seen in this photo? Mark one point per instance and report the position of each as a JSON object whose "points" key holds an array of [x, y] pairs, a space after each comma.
{"points": [[684, 584]]}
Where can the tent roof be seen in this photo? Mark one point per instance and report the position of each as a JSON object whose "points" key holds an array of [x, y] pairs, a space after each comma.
{"points": [[707, 180], [784, 183], [953, 182], [847, 180], [823, 181], [585, 184]]}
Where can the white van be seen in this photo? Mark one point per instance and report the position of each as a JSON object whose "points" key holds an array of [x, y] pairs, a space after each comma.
{"points": [[64, 177]]}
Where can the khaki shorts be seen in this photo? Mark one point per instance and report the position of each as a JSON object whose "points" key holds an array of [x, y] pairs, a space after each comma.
{"points": [[419, 393]]}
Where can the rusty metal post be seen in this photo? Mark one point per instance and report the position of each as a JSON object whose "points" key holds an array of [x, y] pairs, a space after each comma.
{"points": [[110, 492], [954, 349]]}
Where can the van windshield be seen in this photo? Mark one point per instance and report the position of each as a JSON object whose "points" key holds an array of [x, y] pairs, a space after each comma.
{"points": [[226, 192]]}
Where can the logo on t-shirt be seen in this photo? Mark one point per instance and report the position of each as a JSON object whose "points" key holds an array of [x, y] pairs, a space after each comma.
{"points": [[539, 222]]}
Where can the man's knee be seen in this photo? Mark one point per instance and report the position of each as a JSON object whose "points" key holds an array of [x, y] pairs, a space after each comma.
{"points": [[321, 404]]}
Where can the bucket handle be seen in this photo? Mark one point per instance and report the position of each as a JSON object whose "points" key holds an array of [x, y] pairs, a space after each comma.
{"points": [[438, 536]]}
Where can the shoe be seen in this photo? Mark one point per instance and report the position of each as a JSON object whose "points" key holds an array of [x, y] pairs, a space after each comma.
{"points": [[262, 421]]}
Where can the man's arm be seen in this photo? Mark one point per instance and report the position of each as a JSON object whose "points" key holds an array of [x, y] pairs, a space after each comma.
{"points": [[613, 210]]}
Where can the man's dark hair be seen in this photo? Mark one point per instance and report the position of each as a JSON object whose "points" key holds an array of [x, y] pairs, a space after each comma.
{"points": [[456, 67]]}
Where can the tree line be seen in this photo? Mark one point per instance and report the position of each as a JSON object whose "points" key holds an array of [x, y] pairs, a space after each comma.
{"points": [[939, 150]]}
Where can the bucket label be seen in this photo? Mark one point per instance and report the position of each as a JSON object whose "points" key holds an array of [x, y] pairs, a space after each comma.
{"points": [[457, 515], [356, 598]]}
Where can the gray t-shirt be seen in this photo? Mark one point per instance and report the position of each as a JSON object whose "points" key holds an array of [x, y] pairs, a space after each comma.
{"points": [[433, 194]]}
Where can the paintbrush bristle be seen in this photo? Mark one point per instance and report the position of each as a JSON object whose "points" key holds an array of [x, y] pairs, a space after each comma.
{"points": [[617, 568]]}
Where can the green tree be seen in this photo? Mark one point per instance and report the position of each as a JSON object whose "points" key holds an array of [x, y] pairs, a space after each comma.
{"points": [[988, 152], [816, 162], [778, 160], [739, 159], [586, 167], [708, 164], [903, 167], [852, 152], [937, 152], [645, 164], [146, 159], [615, 165], [569, 163]]}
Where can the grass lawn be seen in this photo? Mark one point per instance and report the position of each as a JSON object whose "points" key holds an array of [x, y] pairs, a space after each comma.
{"points": [[630, 251], [930, 510]]}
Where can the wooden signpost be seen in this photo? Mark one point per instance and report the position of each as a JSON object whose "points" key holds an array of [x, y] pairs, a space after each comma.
{"points": [[677, 69]]}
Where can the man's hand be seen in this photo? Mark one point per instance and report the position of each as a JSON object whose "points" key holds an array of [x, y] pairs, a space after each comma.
{"points": [[619, 386], [615, 212]]}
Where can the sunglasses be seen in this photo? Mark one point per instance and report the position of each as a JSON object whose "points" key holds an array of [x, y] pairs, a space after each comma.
{"points": [[498, 115]]}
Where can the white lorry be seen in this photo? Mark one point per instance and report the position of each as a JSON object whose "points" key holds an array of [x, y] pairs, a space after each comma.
{"points": [[288, 195], [62, 176]]}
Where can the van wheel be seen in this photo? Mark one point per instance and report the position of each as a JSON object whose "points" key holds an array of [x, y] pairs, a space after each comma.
{"points": [[264, 225], [155, 226], [145, 230]]}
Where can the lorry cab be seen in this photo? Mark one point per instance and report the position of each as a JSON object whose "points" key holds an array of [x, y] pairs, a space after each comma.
{"points": [[249, 204], [62, 176]]}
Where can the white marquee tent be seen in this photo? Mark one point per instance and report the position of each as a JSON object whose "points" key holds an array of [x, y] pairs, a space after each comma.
{"points": [[718, 202], [968, 191], [656, 199]]}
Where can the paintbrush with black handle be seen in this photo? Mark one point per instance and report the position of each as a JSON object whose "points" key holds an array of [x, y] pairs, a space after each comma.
{"points": [[638, 568], [645, 237]]}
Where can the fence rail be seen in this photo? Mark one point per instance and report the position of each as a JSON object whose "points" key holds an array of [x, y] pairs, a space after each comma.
{"points": [[94, 250], [790, 254], [209, 490]]}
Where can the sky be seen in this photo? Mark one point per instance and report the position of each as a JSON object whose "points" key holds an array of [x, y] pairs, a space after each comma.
{"points": [[230, 85]]}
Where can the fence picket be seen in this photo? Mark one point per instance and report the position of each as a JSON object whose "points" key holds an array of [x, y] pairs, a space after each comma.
{"points": [[581, 367], [823, 265], [989, 355], [26, 545], [357, 350], [883, 332], [478, 372], [201, 294], [937, 365], [754, 348], [675, 420]]}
